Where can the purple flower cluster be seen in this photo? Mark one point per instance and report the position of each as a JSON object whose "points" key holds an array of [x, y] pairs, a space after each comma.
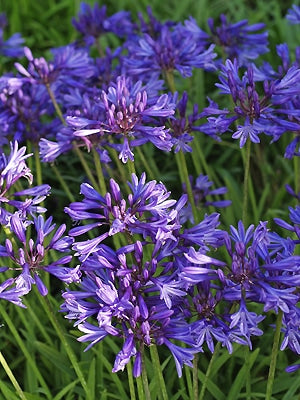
{"points": [[12, 47], [161, 285], [30, 238], [270, 112]]}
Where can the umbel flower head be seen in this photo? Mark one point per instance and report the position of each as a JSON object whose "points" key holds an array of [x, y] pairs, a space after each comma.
{"points": [[137, 291], [12, 47], [94, 22], [28, 237], [130, 116], [29, 259], [253, 113], [12, 168], [172, 48], [145, 212]]}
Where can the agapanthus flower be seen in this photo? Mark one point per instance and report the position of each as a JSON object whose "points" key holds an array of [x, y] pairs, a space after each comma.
{"points": [[239, 40], [12, 47], [69, 63], [12, 168], [260, 271], [121, 291], [82, 107], [23, 108], [130, 116], [171, 49], [94, 22], [254, 113], [285, 72], [139, 291], [153, 26], [28, 261], [294, 217], [182, 125], [202, 193], [146, 211], [13, 294], [293, 15]]}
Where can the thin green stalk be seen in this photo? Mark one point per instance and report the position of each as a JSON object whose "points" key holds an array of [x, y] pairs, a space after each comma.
{"points": [[38, 167], [54, 102], [274, 354], [246, 181], [120, 166], [12, 377], [208, 371], [158, 372], [140, 390], [72, 357], [297, 174], [101, 179], [189, 382], [130, 381], [24, 350], [184, 175], [86, 168], [131, 167], [63, 183], [195, 376], [248, 374], [145, 378], [148, 169], [199, 160], [169, 78]]}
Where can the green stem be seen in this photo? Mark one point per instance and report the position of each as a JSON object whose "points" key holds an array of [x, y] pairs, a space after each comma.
{"points": [[26, 353], [54, 102], [99, 170], [248, 374], [208, 371], [145, 378], [184, 176], [274, 356], [169, 78], [195, 376], [12, 377], [47, 307], [246, 181], [120, 166], [149, 170], [63, 183], [158, 372], [130, 381], [140, 390], [131, 167], [189, 383], [38, 168], [86, 167], [297, 174]]}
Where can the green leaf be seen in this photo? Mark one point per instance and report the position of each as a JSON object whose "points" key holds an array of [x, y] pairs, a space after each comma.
{"points": [[66, 390], [241, 377], [212, 387], [59, 360], [92, 378], [8, 394]]}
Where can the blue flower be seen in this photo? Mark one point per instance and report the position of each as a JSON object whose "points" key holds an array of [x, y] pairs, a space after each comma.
{"points": [[12, 168], [93, 22], [130, 114], [172, 49], [29, 258], [12, 47], [293, 15]]}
